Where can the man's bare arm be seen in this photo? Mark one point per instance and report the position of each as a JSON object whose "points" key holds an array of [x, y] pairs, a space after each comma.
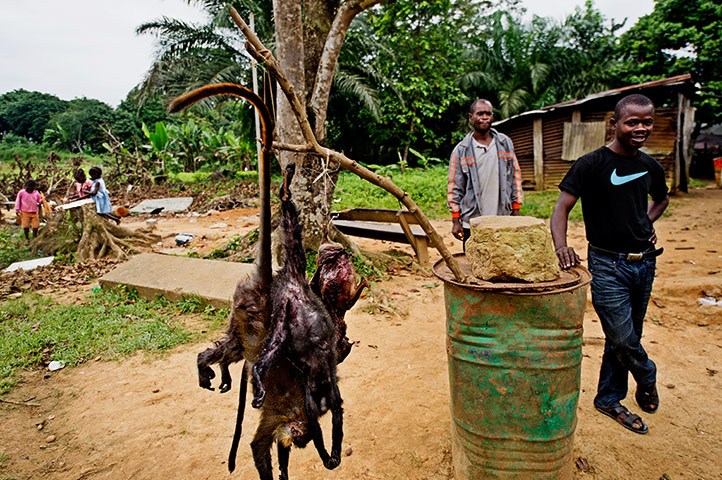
{"points": [[558, 224]]}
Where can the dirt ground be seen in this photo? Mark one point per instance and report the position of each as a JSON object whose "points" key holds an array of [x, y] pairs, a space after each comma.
{"points": [[146, 418]]}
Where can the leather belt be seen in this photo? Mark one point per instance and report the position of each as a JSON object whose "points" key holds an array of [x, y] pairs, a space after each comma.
{"points": [[631, 257]]}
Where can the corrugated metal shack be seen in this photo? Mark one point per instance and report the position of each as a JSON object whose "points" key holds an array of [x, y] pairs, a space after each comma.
{"points": [[547, 141]]}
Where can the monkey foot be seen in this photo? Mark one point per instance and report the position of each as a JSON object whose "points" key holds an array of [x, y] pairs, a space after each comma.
{"points": [[258, 400]]}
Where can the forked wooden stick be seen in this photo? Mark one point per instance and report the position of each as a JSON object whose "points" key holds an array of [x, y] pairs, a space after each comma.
{"points": [[264, 56]]}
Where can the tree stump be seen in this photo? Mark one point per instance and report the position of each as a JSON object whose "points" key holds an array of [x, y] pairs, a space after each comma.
{"points": [[95, 236]]}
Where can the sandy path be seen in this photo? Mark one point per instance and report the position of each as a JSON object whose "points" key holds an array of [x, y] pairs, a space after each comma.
{"points": [[145, 418]]}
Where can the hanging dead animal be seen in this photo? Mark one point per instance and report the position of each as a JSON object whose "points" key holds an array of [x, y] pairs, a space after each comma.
{"points": [[298, 316]]}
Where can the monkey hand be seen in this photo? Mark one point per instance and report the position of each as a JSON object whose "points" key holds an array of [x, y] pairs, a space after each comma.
{"points": [[258, 398], [332, 462], [224, 387], [205, 375]]}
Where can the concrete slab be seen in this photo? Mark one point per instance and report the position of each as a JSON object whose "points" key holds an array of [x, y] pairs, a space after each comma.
{"points": [[176, 204], [173, 278], [28, 265]]}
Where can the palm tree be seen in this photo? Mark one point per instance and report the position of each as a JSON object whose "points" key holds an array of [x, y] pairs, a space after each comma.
{"points": [[513, 61], [309, 41], [191, 55]]}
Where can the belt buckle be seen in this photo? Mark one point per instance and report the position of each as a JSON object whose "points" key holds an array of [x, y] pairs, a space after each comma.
{"points": [[635, 257]]}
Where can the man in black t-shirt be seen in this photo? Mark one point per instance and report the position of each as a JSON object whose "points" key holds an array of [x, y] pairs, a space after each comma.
{"points": [[614, 183]]}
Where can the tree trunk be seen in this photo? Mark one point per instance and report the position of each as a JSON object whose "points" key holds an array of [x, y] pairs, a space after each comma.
{"points": [[95, 236], [101, 238], [309, 35]]}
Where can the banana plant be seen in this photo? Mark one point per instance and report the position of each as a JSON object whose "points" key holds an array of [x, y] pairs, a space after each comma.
{"points": [[159, 142]]}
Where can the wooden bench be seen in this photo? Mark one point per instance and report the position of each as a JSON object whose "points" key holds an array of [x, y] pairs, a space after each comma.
{"points": [[381, 224]]}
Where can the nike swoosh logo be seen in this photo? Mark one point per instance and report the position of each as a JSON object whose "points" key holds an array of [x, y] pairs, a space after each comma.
{"points": [[617, 180]]}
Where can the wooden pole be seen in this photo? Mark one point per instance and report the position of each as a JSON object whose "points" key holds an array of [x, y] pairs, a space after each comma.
{"points": [[538, 155]]}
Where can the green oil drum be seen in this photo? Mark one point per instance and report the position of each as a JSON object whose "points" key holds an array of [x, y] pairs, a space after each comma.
{"points": [[514, 354]]}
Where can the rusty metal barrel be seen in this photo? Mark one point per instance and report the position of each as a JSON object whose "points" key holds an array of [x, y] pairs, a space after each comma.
{"points": [[514, 354]]}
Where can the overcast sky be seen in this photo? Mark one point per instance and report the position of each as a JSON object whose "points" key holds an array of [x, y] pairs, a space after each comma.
{"points": [[88, 48]]}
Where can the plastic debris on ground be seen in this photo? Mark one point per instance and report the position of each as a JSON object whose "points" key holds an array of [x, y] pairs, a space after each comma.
{"points": [[56, 365], [183, 238], [710, 301]]}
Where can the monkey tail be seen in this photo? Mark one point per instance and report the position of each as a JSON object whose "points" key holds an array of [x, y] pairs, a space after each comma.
{"points": [[295, 255], [239, 419]]}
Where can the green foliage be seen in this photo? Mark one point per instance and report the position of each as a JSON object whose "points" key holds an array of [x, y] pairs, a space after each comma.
{"points": [[234, 244], [191, 177], [13, 145], [521, 66], [13, 247], [311, 256], [131, 115], [34, 330], [27, 113], [418, 61], [424, 161], [679, 36], [80, 126]]}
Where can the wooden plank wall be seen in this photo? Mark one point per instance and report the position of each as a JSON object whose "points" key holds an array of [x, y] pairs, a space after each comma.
{"points": [[660, 144]]}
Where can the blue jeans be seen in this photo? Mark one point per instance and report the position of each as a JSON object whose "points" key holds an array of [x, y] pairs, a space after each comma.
{"points": [[620, 294]]}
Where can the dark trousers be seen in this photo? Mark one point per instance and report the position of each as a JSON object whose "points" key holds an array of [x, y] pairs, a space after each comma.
{"points": [[620, 294]]}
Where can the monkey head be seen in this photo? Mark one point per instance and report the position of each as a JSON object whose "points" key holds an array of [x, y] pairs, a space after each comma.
{"points": [[294, 430]]}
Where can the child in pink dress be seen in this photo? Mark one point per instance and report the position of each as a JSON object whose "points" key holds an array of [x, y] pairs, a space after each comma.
{"points": [[26, 206]]}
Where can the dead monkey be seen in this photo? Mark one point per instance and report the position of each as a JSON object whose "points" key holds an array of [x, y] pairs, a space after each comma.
{"points": [[283, 420], [244, 337], [284, 417], [335, 284], [303, 331], [282, 412]]}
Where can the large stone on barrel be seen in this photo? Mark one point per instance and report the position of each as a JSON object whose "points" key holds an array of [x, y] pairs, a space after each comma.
{"points": [[504, 249]]}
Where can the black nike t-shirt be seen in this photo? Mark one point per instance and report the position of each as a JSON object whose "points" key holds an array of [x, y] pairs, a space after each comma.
{"points": [[613, 189]]}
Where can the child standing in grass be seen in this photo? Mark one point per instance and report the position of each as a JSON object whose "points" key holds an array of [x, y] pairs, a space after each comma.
{"points": [[26, 207], [100, 196]]}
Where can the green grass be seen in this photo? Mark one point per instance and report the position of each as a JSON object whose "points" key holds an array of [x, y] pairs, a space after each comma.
{"points": [[541, 205], [201, 176], [38, 153], [34, 330], [13, 247], [697, 183], [428, 189], [3, 466]]}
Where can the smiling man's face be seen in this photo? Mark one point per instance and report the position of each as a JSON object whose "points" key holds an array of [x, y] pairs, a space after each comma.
{"points": [[634, 125]]}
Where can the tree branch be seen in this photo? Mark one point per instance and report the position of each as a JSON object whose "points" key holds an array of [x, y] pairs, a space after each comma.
{"points": [[264, 56], [329, 58]]}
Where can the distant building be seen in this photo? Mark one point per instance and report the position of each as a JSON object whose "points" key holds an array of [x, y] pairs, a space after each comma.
{"points": [[707, 146], [549, 140]]}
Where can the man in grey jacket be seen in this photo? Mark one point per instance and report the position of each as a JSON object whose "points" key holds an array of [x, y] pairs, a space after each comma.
{"points": [[484, 174]]}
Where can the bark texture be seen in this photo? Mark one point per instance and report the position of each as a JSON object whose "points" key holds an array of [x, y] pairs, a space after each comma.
{"points": [[309, 36]]}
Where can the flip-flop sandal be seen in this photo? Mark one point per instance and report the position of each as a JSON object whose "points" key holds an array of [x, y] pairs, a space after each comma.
{"points": [[647, 396], [628, 421]]}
